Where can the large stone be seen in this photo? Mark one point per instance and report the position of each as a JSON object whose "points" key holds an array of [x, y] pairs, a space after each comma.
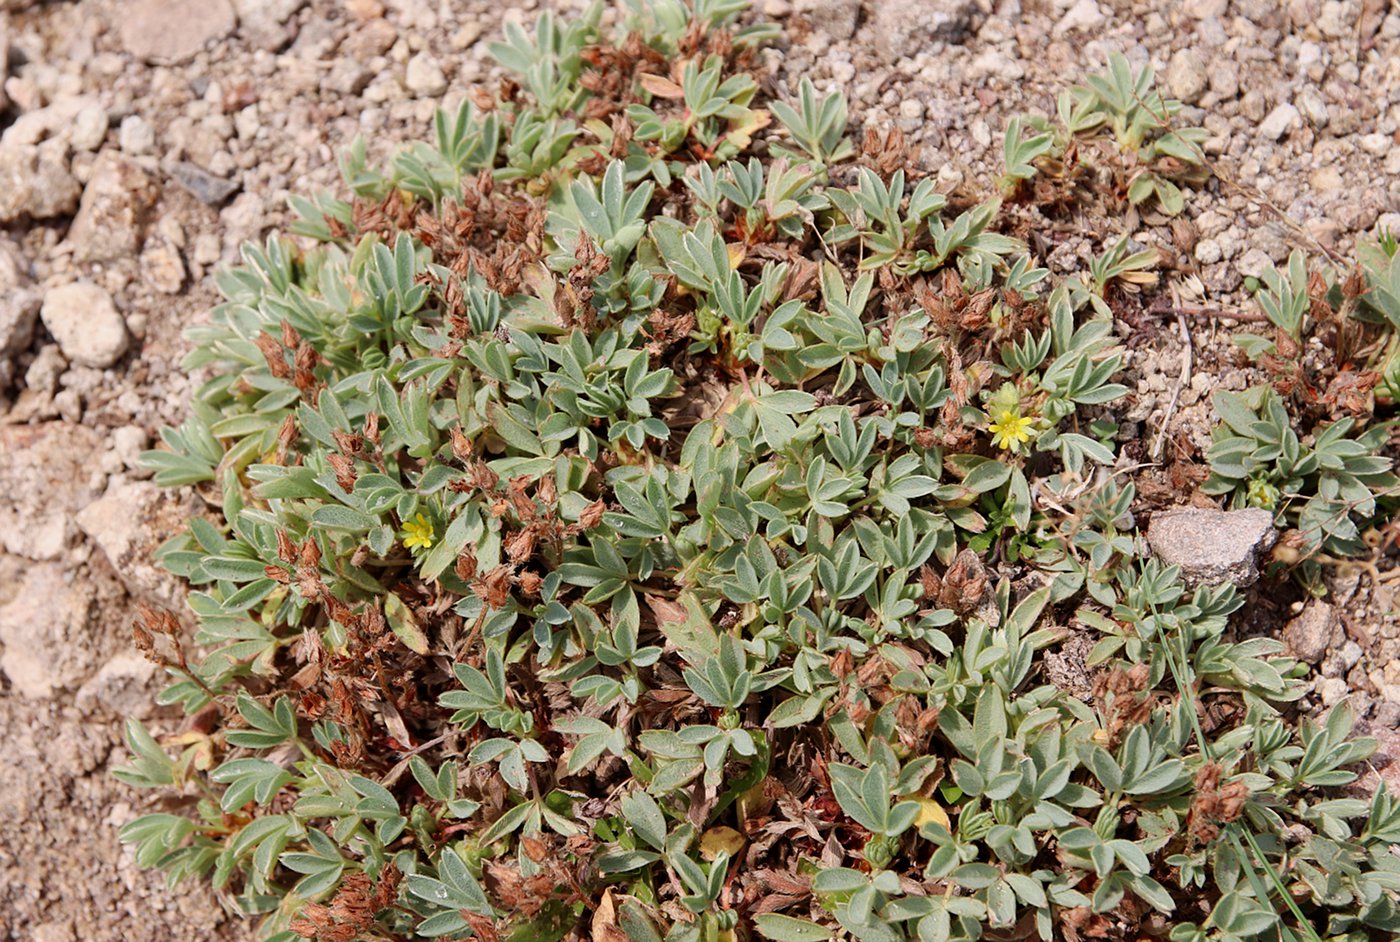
{"points": [[267, 24], [168, 32], [835, 18], [121, 687], [35, 182], [424, 77], [127, 523], [1212, 546], [115, 210], [1280, 121], [904, 28], [202, 184], [45, 476], [1186, 76], [19, 303], [56, 120], [46, 632], [85, 322], [1313, 633], [1085, 16]]}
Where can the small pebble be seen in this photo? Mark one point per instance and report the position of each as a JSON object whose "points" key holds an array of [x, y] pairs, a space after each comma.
{"points": [[1279, 122], [1331, 690], [136, 136], [424, 76], [85, 322]]}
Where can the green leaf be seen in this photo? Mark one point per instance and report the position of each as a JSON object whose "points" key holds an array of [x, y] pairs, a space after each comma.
{"points": [[644, 816], [334, 517], [782, 928], [404, 624]]}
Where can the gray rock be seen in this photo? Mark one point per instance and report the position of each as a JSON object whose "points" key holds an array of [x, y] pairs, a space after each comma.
{"points": [[835, 18], [1280, 121], [57, 120], [205, 187], [1212, 546], [115, 210], [1331, 690], [19, 303], [1084, 16], [267, 23], [1360, 213], [424, 76], [163, 268], [1207, 251], [1350, 654], [372, 39], [1201, 9], [45, 630], [127, 523], [45, 477], [1186, 76], [121, 687], [907, 27], [1224, 79], [349, 77], [89, 128], [1313, 632], [18, 311], [127, 443], [1254, 106], [42, 375], [1388, 713], [136, 135], [1313, 106], [35, 182], [85, 322], [1254, 263], [993, 63], [168, 32]]}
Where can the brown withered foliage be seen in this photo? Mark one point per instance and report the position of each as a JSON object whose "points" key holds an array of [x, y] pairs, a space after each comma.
{"points": [[491, 230], [1213, 805], [886, 153], [961, 588], [386, 218], [664, 329], [558, 880], [573, 300], [278, 351], [350, 915], [611, 72], [1124, 699]]}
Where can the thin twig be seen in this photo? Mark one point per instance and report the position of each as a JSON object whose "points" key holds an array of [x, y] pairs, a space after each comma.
{"points": [[1205, 313], [1182, 379]]}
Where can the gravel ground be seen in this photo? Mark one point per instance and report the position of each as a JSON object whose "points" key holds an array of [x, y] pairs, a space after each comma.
{"points": [[145, 140]]}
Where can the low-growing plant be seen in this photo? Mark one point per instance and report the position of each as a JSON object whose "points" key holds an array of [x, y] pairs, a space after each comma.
{"points": [[611, 531], [1329, 487], [1308, 446], [1117, 121]]}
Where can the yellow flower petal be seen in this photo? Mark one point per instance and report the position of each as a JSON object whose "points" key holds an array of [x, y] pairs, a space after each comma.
{"points": [[718, 839], [931, 812]]}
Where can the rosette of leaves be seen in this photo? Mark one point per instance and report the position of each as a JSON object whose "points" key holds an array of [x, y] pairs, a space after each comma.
{"points": [[1120, 108], [1329, 487], [597, 542]]}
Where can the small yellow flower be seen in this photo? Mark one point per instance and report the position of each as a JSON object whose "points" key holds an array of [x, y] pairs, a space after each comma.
{"points": [[1010, 431], [418, 532], [1262, 494]]}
